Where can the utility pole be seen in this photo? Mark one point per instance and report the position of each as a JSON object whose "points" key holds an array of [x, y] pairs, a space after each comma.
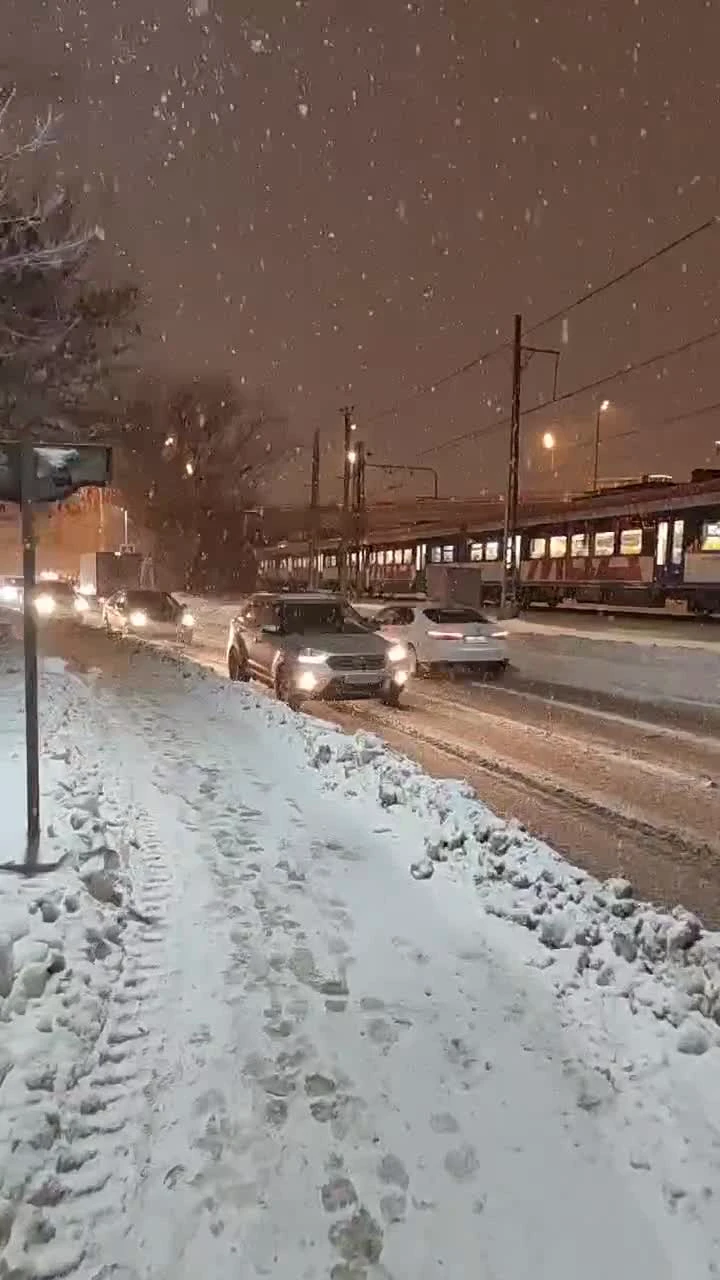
{"points": [[360, 505], [314, 505], [348, 428], [509, 577]]}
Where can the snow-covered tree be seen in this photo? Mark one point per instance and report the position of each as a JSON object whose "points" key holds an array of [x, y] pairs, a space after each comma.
{"points": [[60, 334]]}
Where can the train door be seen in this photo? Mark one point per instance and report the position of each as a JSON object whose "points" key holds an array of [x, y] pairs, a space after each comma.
{"points": [[669, 552], [676, 563]]}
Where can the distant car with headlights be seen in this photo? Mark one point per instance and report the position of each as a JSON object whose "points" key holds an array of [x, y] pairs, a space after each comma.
{"points": [[153, 615], [56, 600], [11, 592], [313, 645], [439, 636]]}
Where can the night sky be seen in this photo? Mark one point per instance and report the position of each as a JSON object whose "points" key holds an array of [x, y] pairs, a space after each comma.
{"points": [[344, 201]]}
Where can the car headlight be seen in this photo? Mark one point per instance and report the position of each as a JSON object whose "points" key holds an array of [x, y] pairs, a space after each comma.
{"points": [[81, 604], [312, 655], [44, 605], [397, 653], [499, 635], [187, 620], [138, 618]]}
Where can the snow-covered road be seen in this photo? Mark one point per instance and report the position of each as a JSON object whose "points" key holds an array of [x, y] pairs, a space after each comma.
{"points": [[238, 1037]]}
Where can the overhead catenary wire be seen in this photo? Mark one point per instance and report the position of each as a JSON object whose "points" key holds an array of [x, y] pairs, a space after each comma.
{"points": [[428, 388], [625, 372]]}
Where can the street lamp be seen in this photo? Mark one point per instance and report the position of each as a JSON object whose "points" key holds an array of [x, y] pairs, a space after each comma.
{"points": [[548, 442], [602, 408], [352, 457]]}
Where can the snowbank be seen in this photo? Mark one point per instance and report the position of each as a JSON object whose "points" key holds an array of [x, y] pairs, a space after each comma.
{"points": [[589, 932]]}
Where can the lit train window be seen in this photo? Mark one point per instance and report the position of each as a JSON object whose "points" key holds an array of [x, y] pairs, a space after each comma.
{"points": [[710, 536], [448, 553], [436, 554], [580, 544], [492, 550], [558, 546], [407, 555], [605, 543], [537, 548], [631, 542], [476, 550]]}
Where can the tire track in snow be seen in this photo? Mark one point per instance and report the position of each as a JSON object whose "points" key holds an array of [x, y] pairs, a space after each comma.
{"points": [[74, 1186]]}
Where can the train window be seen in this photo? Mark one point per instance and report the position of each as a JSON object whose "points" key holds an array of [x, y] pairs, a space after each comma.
{"points": [[476, 551], [398, 555], [492, 550], [580, 545], [537, 548], [435, 555], [710, 536], [605, 543], [407, 555], [558, 546], [631, 542], [448, 553]]}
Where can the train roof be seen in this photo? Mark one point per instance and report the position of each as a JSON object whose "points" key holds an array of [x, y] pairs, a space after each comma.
{"points": [[473, 516]]}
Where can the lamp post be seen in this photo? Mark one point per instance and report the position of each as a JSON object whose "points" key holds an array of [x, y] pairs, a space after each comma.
{"points": [[602, 408]]}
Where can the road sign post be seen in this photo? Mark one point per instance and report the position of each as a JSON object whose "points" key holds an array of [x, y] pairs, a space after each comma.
{"points": [[31, 474]]}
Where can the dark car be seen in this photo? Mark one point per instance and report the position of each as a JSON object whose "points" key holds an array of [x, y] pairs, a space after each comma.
{"points": [[155, 615], [313, 646]]}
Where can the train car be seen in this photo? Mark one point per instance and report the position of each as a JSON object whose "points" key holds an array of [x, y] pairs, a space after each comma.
{"points": [[643, 544]]}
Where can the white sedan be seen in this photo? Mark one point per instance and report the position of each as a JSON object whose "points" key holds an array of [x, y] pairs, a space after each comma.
{"points": [[439, 636]]}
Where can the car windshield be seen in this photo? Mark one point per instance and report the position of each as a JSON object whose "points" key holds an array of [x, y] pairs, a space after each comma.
{"points": [[60, 589], [300, 617], [158, 604], [457, 615]]}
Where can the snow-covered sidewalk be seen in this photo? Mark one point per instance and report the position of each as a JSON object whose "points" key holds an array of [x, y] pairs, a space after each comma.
{"points": [[238, 1036]]}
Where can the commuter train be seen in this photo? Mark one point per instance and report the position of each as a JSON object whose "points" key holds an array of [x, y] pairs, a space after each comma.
{"points": [[645, 543]]}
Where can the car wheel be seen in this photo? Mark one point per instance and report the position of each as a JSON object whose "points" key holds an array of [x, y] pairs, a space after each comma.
{"points": [[237, 667], [284, 691], [391, 696]]}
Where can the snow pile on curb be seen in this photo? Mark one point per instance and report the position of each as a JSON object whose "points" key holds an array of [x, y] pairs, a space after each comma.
{"points": [[594, 932], [63, 944]]}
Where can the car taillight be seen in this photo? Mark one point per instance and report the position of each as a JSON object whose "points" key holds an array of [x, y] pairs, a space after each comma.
{"points": [[445, 635]]}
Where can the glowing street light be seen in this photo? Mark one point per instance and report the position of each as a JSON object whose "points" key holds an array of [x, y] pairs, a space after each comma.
{"points": [[189, 468], [602, 408], [169, 442], [352, 457], [548, 442]]}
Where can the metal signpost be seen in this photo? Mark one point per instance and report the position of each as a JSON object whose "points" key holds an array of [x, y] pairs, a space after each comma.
{"points": [[31, 474]]}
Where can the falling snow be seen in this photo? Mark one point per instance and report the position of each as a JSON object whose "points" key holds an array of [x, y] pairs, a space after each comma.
{"points": [[470, 166]]}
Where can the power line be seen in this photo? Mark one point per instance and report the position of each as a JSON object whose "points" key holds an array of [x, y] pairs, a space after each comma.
{"points": [[625, 275], [485, 356], [655, 426], [617, 376]]}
